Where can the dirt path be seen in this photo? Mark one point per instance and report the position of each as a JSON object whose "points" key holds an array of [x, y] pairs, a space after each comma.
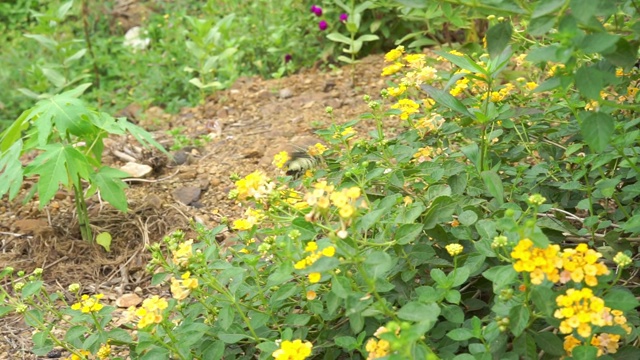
{"points": [[247, 125]]}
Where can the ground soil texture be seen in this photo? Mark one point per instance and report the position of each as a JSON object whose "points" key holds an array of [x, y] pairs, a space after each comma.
{"points": [[246, 125]]}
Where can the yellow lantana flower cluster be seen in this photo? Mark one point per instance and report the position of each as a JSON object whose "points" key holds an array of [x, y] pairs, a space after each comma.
{"points": [[253, 217], [605, 342], [280, 159], [293, 350], [578, 265], [580, 310], [454, 249], [183, 253], [407, 106], [180, 289], [378, 348], [151, 311], [314, 255], [255, 185], [499, 95], [581, 264], [89, 304], [538, 262]]}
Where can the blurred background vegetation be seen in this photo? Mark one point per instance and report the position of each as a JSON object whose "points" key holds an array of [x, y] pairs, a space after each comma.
{"points": [[186, 49]]}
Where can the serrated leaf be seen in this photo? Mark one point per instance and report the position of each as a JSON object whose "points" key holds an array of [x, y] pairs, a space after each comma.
{"points": [[519, 319], [111, 187], [140, 134], [54, 77], [597, 129], [621, 299], [51, 166], [590, 81], [11, 171]]}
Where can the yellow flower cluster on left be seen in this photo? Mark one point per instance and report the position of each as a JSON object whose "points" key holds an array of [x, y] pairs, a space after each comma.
{"points": [[183, 253], [378, 348], [314, 255], [89, 304], [293, 350], [407, 106], [538, 262], [280, 159], [255, 185], [151, 311], [253, 217]]}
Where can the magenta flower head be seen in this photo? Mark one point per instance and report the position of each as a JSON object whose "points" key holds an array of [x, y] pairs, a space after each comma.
{"points": [[287, 58], [316, 10], [344, 17], [323, 25]]}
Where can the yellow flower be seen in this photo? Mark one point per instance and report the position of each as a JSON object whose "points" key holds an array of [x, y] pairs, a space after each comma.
{"points": [[394, 54], [314, 277], [397, 91], [377, 348], [280, 159], [392, 69], [253, 185], [89, 304], [346, 211], [456, 53], [311, 246], [104, 352], [293, 350], [151, 311], [531, 85], [242, 224], [407, 106], [606, 343], [538, 262], [416, 61], [622, 260], [316, 149], [311, 295], [182, 255], [329, 251], [84, 353], [454, 249]]}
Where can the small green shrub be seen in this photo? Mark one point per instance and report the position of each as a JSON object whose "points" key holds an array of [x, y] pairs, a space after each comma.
{"points": [[68, 138]]}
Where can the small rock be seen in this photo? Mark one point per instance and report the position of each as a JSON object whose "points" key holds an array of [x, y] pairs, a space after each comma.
{"points": [[252, 154], [128, 300], [214, 182], [328, 86], [153, 201], [54, 354], [285, 93], [136, 170], [180, 157], [188, 174], [187, 194]]}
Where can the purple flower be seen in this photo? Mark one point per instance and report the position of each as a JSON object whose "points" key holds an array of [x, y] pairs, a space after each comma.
{"points": [[323, 25], [344, 17], [316, 10], [287, 58]]}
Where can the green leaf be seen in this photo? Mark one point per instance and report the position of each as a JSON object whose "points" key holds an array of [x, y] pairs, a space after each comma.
{"points": [[407, 233], [140, 134], [550, 343], [440, 210], [468, 218], [417, 311], [54, 77], [460, 334], [544, 300], [378, 264], [584, 352], [11, 172], [232, 338], [111, 187], [494, 185], [498, 38], [463, 62], [598, 42], [590, 81], [501, 276], [519, 319], [624, 55], [621, 299], [75, 333], [337, 37], [104, 239], [597, 129], [545, 7], [368, 37], [346, 342], [45, 41], [441, 278]]}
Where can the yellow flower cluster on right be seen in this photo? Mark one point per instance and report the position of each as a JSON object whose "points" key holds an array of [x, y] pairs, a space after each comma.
{"points": [[293, 350], [580, 310], [255, 185]]}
